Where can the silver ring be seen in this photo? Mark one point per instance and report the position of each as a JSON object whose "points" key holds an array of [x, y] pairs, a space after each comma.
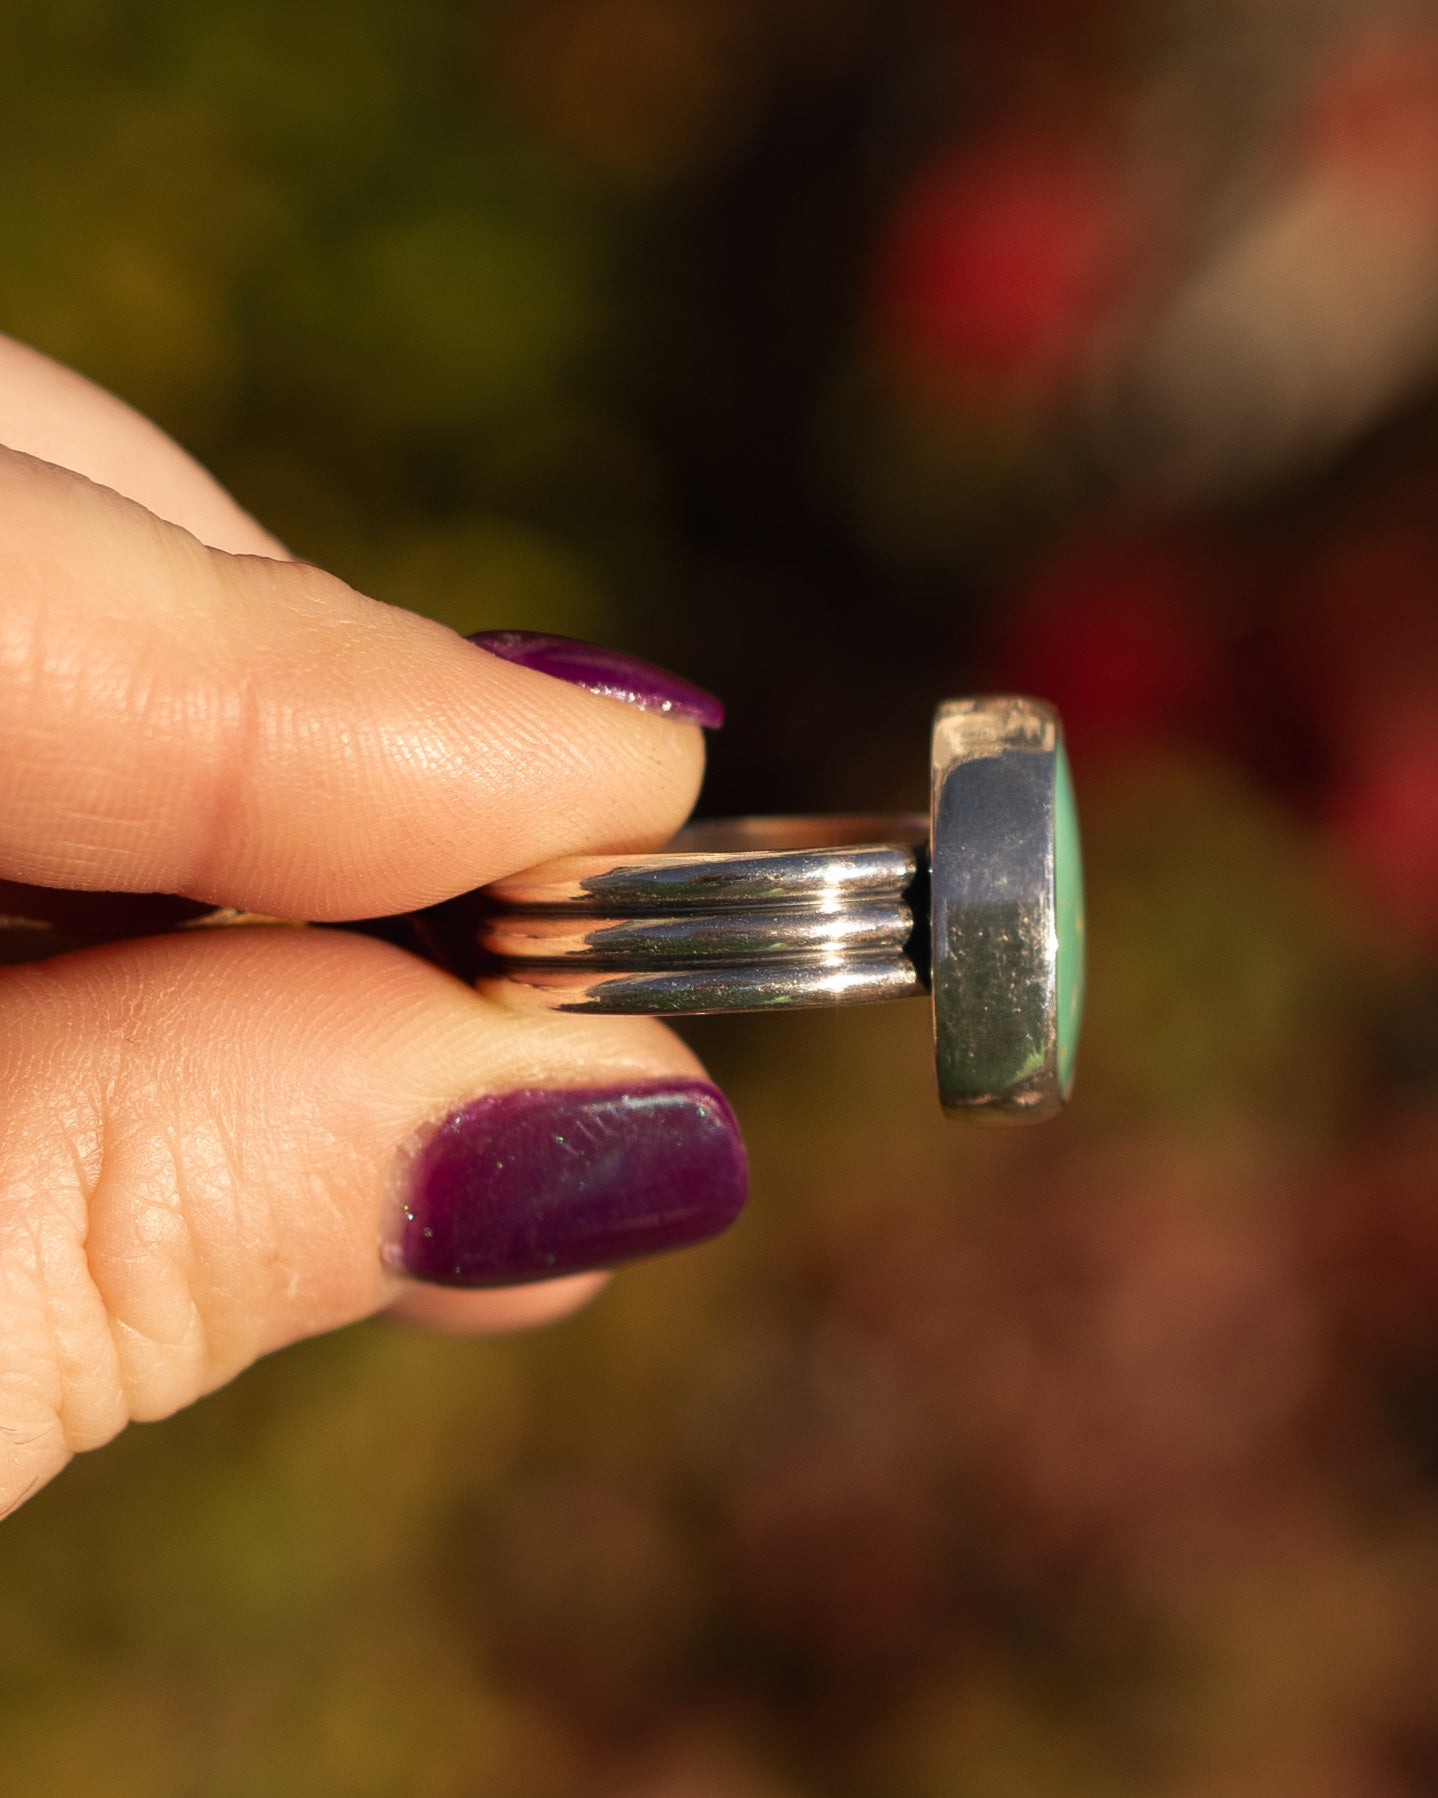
{"points": [[980, 904]]}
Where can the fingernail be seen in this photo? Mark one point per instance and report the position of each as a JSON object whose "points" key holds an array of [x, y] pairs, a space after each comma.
{"points": [[607, 672], [533, 1184]]}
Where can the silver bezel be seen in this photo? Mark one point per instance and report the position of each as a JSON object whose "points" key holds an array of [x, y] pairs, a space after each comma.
{"points": [[994, 939]]}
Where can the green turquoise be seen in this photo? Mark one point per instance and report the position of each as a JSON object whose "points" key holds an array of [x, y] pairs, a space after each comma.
{"points": [[1068, 919]]}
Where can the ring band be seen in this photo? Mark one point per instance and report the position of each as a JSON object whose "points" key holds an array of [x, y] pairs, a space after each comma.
{"points": [[744, 914], [980, 904]]}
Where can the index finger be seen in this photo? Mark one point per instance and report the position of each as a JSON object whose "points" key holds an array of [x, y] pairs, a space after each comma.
{"points": [[253, 732]]}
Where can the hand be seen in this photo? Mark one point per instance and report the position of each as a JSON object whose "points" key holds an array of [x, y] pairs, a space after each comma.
{"points": [[215, 1143]]}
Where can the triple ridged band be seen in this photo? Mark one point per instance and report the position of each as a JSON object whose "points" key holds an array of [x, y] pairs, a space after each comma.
{"points": [[742, 914]]}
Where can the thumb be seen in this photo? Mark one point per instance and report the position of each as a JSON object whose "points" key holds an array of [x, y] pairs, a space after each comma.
{"points": [[215, 1144]]}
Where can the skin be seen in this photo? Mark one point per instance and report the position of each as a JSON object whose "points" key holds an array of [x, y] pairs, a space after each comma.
{"points": [[198, 1131]]}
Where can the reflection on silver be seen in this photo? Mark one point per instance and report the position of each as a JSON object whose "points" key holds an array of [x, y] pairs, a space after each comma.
{"points": [[761, 986], [742, 914], [733, 862], [736, 936]]}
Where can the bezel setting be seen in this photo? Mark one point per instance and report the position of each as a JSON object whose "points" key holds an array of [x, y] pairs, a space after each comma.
{"points": [[1005, 907]]}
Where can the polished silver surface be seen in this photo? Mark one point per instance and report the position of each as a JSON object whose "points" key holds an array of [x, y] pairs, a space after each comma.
{"points": [[732, 862], [693, 991], [740, 914], [993, 929], [736, 936]]}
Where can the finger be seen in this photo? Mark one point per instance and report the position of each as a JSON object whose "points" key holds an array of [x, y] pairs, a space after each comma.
{"points": [[52, 413], [255, 733], [493, 1313], [215, 1145]]}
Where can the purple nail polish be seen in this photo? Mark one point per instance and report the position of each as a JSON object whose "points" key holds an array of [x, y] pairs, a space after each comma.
{"points": [[533, 1184], [608, 672]]}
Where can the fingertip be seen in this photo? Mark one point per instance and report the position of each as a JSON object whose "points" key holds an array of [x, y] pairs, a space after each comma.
{"points": [[504, 1311]]}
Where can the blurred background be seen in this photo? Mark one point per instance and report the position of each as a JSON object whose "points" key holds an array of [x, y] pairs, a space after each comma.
{"points": [[843, 355]]}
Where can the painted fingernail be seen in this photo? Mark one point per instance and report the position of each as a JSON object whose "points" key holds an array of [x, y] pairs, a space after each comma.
{"points": [[608, 672], [533, 1184]]}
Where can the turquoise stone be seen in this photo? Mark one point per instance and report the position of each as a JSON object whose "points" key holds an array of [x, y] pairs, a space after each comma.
{"points": [[1068, 920]]}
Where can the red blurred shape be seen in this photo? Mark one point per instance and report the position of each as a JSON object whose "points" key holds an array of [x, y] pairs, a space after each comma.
{"points": [[1375, 114], [1386, 819], [1362, 638], [1000, 261], [1362, 627], [1372, 1237], [1122, 638]]}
